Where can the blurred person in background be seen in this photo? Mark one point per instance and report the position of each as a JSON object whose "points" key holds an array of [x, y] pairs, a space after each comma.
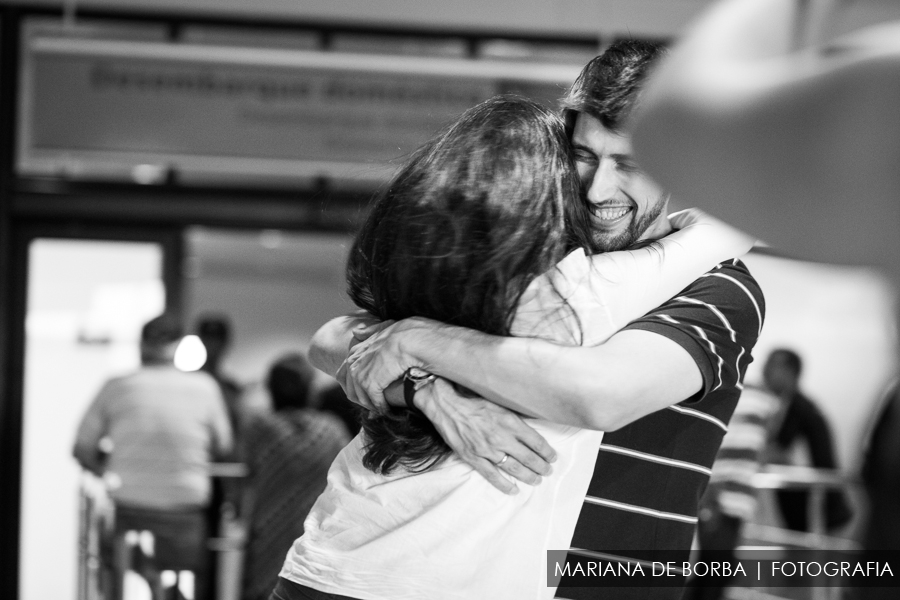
{"points": [[333, 399], [730, 500], [783, 116], [164, 427], [214, 330], [801, 422], [288, 452]]}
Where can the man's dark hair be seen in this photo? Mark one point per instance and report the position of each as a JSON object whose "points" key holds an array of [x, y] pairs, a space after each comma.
{"points": [[289, 381], [790, 359], [162, 330], [458, 235], [607, 88], [157, 335]]}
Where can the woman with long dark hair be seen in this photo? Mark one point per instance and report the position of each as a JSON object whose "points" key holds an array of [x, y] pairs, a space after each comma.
{"points": [[484, 228]]}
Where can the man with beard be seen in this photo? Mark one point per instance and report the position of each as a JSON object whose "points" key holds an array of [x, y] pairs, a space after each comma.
{"points": [[663, 388]]}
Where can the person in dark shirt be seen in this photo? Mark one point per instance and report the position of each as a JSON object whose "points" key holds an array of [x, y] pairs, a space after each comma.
{"points": [[288, 453], [802, 421]]}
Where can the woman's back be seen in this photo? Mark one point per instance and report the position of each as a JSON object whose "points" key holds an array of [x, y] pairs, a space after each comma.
{"points": [[461, 231]]}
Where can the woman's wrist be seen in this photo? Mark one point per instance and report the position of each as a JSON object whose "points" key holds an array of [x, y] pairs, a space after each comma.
{"points": [[414, 380]]}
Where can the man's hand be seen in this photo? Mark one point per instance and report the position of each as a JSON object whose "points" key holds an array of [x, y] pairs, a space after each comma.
{"points": [[379, 360], [482, 434], [331, 344]]}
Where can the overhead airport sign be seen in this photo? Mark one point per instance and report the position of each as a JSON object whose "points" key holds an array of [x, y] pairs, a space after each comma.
{"points": [[92, 105]]}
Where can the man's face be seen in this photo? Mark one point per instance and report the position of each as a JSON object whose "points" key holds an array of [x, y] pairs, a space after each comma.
{"points": [[626, 205]]}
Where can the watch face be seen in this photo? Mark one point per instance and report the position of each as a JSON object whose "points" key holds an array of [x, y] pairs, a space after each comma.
{"points": [[415, 373]]}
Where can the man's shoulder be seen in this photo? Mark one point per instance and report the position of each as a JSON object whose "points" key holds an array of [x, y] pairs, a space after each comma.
{"points": [[725, 291], [730, 276], [123, 381], [730, 288], [198, 384]]}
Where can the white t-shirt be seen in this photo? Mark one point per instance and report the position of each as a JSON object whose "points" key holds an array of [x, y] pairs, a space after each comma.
{"points": [[447, 533]]}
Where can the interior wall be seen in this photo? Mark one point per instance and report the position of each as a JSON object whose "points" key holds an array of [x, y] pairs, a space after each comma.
{"points": [[661, 18], [277, 288]]}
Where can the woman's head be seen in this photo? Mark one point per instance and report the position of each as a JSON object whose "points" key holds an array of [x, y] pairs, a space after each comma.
{"points": [[471, 219], [463, 228]]}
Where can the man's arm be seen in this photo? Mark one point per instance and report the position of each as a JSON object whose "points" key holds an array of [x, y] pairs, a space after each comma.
{"points": [[698, 341], [601, 387], [332, 342]]}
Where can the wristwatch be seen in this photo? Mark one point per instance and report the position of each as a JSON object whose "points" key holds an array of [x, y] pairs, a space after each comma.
{"points": [[414, 380]]}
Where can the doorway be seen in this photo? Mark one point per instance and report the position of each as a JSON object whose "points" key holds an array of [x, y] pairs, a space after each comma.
{"points": [[86, 298]]}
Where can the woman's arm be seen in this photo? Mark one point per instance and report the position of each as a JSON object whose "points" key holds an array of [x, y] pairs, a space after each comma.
{"points": [[332, 342], [608, 291], [645, 278]]}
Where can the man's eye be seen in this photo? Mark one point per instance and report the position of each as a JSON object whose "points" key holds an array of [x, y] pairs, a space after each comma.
{"points": [[581, 156], [626, 166]]}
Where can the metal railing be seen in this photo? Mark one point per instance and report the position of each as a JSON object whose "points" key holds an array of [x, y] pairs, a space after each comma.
{"points": [[104, 557], [756, 536]]}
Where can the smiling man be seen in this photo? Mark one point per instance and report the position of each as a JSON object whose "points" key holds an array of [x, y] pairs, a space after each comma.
{"points": [[663, 388], [627, 205]]}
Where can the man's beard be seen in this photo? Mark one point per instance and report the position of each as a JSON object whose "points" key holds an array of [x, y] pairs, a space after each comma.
{"points": [[607, 242]]}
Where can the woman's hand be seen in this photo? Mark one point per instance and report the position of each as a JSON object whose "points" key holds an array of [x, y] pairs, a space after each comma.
{"points": [[480, 432], [493, 440]]}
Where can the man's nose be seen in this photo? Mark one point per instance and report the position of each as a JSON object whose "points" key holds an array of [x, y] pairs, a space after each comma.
{"points": [[604, 183]]}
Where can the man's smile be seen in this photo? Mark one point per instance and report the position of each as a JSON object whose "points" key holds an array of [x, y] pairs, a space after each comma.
{"points": [[610, 216]]}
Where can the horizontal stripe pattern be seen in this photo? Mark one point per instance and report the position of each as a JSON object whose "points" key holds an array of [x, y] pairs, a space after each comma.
{"points": [[700, 415], [650, 474], [638, 481], [653, 435], [750, 296], [654, 458], [659, 514]]}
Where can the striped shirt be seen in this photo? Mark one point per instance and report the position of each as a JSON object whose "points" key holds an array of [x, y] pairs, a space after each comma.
{"points": [[650, 474]]}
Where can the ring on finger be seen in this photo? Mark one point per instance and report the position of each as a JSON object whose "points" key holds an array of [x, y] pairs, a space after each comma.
{"points": [[502, 460]]}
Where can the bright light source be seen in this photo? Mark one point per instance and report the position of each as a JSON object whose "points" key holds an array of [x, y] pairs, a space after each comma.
{"points": [[190, 354], [149, 174]]}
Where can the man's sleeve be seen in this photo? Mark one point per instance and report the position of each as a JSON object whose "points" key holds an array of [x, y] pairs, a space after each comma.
{"points": [[717, 320]]}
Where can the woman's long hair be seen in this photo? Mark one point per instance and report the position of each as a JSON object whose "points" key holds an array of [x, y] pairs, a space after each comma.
{"points": [[457, 236]]}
